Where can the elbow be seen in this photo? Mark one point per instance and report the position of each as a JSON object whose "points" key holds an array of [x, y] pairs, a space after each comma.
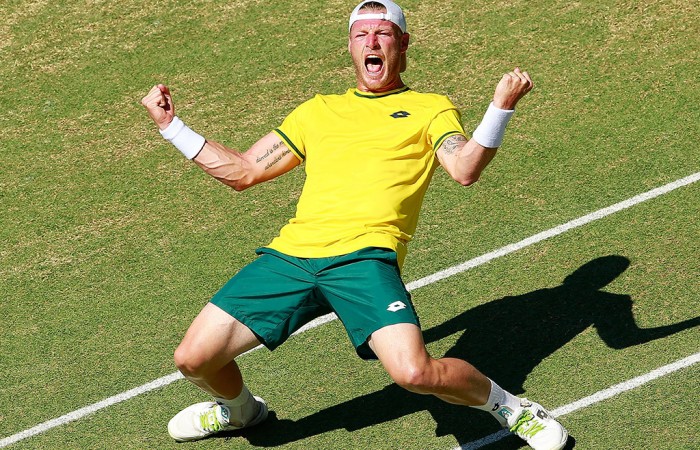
{"points": [[240, 182], [238, 185], [467, 180], [465, 177]]}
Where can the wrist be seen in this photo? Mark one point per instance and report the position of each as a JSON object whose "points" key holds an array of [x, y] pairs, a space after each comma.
{"points": [[503, 105], [183, 138], [164, 125], [491, 130]]}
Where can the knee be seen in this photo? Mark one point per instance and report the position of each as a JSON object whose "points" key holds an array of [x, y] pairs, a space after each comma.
{"points": [[415, 378], [189, 362]]}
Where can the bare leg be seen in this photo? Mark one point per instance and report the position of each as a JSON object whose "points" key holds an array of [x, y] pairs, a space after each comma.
{"points": [[206, 358], [206, 354], [401, 350]]}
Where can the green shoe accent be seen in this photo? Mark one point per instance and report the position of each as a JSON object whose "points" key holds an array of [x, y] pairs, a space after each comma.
{"points": [[526, 427], [209, 421]]}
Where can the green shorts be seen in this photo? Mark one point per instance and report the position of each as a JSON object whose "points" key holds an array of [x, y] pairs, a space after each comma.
{"points": [[277, 294]]}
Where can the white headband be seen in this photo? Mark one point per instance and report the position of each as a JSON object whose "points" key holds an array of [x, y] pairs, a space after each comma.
{"points": [[393, 14]]}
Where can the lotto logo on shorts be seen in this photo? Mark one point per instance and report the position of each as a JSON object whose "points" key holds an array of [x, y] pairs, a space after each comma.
{"points": [[396, 306]]}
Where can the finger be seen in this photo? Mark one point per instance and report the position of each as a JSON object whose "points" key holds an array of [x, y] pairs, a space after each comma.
{"points": [[516, 77], [524, 82], [529, 80], [167, 98], [164, 89], [525, 77], [154, 99], [519, 74], [155, 103], [150, 96]]}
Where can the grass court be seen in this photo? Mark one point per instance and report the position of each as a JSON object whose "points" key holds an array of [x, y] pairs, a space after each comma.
{"points": [[111, 242]]}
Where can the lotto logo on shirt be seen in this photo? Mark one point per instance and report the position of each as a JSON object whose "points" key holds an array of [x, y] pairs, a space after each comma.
{"points": [[400, 114]]}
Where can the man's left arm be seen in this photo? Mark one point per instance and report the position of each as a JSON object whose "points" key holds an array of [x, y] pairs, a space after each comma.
{"points": [[465, 159]]}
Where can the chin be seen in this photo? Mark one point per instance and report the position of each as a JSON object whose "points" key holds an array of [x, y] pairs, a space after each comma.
{"points": [[377, 85]]}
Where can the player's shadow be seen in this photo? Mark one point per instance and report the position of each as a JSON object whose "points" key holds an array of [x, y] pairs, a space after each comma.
{"points": [[505, 339]]}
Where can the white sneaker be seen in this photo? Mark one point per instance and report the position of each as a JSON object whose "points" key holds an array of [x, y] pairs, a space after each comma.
{"points": [[536, 425], [207, 418]]}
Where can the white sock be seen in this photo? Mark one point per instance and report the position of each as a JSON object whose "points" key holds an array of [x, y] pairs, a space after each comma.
{"points": [[500, 404], [243, 408]]}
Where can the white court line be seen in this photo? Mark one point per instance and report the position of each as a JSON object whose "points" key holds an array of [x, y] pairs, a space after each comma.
{"points": [[454, 270], [595, 398]]}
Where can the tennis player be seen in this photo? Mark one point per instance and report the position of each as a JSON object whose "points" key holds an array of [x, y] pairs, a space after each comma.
{"points": [[369, 155]]}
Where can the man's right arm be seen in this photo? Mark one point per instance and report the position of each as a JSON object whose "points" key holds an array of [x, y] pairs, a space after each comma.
{"points": [[266, 159]]}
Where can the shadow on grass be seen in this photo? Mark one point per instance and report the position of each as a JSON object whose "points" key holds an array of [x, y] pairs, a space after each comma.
{"points": [[505, 339]]}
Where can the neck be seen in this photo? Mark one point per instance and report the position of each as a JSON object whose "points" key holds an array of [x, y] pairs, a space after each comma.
{"points": [[362, 87]]}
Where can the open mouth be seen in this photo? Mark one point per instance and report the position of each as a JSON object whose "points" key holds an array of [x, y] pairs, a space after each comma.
{"points": [[373, 64]]}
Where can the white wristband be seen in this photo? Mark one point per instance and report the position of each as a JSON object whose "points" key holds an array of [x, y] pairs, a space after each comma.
{"points": [[183, 138], [492, 128]]}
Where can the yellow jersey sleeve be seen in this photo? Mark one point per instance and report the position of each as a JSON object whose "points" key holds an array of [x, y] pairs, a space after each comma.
{"points": [[447, 123], [292, 130]]}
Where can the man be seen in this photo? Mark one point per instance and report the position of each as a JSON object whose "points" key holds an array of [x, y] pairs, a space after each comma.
{"points": [[369, 156]]}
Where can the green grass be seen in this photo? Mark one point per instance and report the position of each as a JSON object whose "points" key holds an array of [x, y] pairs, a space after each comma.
{"points": [[111, 242]]}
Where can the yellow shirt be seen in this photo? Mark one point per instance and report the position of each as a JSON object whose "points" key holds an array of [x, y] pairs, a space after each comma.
{"points": [[369, 159]]}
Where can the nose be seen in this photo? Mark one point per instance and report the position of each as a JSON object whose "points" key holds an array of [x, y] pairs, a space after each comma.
{"points": [[371, 41]]}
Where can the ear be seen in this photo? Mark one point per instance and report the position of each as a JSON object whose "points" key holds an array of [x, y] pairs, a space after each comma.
{"points": [[404, 48], [405, 38]]}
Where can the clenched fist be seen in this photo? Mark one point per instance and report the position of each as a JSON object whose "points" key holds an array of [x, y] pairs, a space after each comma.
{"points": [[159, 104], [512, 87]]}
